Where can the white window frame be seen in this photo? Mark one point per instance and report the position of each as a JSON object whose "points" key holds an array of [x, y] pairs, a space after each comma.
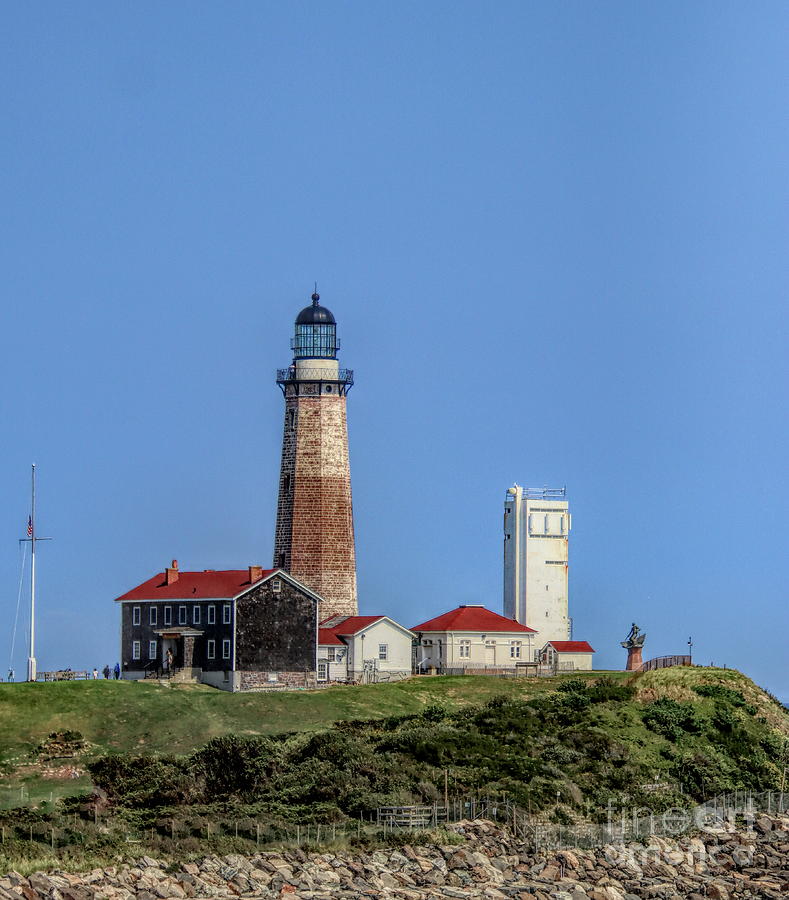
{"points": [[182, 615], [227, 614], [136, 615], [276, 585], [136, 649], [515, 649], [153, 615], [195, 615], [210, 652], [212, 615], [226, 649], [331, 654], [383, 652], [153, 647], [465, 649], [168, 615]]}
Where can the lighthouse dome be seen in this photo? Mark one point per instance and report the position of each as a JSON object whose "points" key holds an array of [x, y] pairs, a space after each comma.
{"points": [[315, 314]]}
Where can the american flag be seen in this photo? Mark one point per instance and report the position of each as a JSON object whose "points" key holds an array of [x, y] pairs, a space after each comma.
{"points": [[30, 526]]}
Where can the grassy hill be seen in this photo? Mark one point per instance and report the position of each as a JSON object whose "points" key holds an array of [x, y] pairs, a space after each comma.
{"points": [[185, 768], [142, 719], [136, 717]]}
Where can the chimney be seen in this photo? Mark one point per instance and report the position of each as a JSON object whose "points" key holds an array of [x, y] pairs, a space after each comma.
{"points": [[171, 574], [255, 573]]}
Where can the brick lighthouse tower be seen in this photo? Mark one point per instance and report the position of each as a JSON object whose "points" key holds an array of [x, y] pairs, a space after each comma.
{"points": [[314, 536]]}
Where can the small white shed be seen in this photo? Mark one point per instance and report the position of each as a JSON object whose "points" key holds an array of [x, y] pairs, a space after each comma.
{"points": [[568, 656]]}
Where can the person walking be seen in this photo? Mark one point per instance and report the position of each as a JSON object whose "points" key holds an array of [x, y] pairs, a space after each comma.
{"points": [[95, 674], [117, 671], [10, 674], [106, 671]]}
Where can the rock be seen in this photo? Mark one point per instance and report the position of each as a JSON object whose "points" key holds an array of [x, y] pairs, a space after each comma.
{"points": [[717, 891]]}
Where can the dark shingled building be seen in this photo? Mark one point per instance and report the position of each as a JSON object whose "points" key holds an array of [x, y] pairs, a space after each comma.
{"points": [[237, 629]]}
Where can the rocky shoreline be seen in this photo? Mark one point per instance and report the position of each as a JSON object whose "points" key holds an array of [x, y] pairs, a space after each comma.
{"points": [[489, 862]]}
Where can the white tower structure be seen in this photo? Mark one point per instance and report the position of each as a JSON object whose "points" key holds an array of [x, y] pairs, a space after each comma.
{"points": [[536, 537]]}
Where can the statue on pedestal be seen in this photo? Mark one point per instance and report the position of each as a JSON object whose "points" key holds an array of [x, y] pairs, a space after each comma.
{"points": [[634, 644]]}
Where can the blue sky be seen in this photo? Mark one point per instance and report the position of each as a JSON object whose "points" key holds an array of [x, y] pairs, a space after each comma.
{"points": [[554, 238]]}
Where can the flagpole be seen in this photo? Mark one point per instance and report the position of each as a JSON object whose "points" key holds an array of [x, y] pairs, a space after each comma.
{"points": [[31, 660]]}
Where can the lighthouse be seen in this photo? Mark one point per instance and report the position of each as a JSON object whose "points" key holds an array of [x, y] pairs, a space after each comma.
{"points": [[314, 534]]}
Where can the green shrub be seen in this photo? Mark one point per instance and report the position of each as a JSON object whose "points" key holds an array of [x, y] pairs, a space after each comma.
{"points": [[606, 690], [234, 766], [434, 712], [719, 692], [672, 719], [144, 780], [573, 685]]}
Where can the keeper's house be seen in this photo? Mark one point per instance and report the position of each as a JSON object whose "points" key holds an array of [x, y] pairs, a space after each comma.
{"points": [[472, 639], [237, 629]]}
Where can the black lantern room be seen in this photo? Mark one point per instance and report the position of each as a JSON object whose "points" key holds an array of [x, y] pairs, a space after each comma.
{"points": [[316, 333]]}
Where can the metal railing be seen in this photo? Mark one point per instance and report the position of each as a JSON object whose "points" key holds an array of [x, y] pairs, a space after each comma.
{"points": [[665, 662], [285, 376]]}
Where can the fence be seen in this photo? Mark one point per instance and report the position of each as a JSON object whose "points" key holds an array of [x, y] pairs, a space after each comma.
{"points": [[621, 826], [536, 833], [520, 670], [168, 833], [63, 675], [664, 662]]}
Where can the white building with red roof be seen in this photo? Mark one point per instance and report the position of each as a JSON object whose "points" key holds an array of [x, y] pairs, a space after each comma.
{"points": [[364, 649], [567, 656], [472, 637]]}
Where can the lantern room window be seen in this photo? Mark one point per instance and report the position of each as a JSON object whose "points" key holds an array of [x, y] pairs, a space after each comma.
{"points": [[315, 341]]}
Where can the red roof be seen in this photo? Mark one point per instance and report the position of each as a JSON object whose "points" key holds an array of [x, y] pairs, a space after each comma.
{"points": [[343, 626], [472, 618], [193, 585], [327, 636], [572, 646]]}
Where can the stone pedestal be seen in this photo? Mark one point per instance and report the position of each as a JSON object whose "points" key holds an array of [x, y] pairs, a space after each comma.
{"points": [[634, 661]]}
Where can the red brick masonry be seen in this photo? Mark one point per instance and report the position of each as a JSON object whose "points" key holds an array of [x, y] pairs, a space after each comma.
{"points": [[315, 511]]}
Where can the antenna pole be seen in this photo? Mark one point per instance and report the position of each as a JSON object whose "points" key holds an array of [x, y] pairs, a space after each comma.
{"points": [[31, 660]]}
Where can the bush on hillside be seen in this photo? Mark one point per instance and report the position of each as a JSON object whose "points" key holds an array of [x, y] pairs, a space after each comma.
{"points": [[234, 767], [144, 780], [607, 690], [434, 712], [672, 719], [573, 685], [719, 692]]}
